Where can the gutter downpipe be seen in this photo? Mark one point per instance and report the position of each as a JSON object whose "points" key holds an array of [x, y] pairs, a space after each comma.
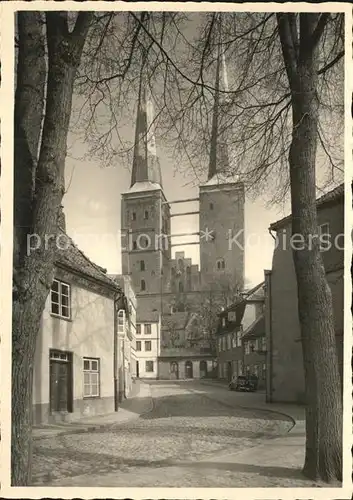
{"points": [[115, 357]]}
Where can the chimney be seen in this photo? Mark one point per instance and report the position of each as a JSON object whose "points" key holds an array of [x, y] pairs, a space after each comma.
{"points": [[61, 219]]}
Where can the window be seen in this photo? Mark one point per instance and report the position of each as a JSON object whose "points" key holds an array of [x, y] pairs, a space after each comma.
{"points": [[188, 269], [147, 329], [232, 316], [263, 344], [133, 215], [60, 299], [138, 345], [264, 371], [256, 370], [180, 262], [239, 333], [149, 366], [219, 344], [247, 369], [229, 342], [234, 340], [145, 215], [142, 265], [181, 287], [173, 271], [134, 245], [148, 345], [211, 206], [223, 343], [121, 322], [90, 378], [172, 310], [143, 285], [247, 348], [138, 329], [220, 264], [223, 322], [324, 229]]}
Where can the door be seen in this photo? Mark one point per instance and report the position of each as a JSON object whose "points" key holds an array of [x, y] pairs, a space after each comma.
{"points": [[174, 370], [60, 382], [188, 369], [203, 369]]}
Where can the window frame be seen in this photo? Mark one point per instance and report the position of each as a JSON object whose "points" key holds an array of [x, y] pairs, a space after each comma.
{"points": [[149, 342], [147, 326], [138, 329], [149, 361], [138, 343], [91, 371], [59, 303]]}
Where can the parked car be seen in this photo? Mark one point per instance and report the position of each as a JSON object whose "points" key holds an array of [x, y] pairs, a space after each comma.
{"points": [[243, 383]]}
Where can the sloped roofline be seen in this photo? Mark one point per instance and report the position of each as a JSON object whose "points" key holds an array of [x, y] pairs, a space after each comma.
{"points": [[333, 196], [245, 298]]}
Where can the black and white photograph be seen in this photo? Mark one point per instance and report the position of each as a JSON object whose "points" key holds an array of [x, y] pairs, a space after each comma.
{"points": [[176, 205]]}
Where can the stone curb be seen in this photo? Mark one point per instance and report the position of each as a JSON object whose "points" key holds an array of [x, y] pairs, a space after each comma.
{"points": [[95, 427], [256, 408]]}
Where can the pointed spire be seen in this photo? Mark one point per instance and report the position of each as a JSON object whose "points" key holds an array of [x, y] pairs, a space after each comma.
{"points": [[146, 166], [219, 157]]}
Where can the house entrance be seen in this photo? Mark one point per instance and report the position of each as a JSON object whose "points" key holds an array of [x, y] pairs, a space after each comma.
{"points": [[174, 370], [188, 369], [60, 380], [203, 369]]}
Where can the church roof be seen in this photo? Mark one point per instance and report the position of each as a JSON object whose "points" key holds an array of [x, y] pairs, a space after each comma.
{"points": [[146, 166], [221, 179], [141, 186]]}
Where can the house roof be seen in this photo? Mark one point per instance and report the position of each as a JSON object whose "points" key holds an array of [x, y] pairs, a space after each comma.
{"points": [[333, 196], [72, 257], [256, 329], [254, 293]]}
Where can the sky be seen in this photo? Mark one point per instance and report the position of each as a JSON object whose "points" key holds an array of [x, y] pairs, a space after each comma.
{"points": [[92, 205]]}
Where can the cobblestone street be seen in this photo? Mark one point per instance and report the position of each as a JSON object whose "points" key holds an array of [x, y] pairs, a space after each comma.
{"points": [[179, 443]]}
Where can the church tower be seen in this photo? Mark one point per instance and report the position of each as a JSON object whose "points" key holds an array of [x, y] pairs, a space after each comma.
{"points": [[145, 217], [222, 201]]}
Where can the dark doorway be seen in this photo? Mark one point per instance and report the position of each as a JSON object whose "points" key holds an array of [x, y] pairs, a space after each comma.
{"points": [[137, 369], [188, 369], [203, 369], [60, 380], [229, 371], [174, 370]]}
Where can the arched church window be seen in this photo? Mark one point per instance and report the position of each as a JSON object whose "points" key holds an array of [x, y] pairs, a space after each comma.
{"points": [[143, 285], [180, 262], [221, 264]]}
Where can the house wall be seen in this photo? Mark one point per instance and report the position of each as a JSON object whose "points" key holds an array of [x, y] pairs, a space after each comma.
{"points": [[89, 333], [143, 355], [286, 372]]}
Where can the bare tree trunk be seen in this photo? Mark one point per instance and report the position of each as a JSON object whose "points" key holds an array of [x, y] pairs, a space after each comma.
{"points": [[34, 272], [323, 459]]}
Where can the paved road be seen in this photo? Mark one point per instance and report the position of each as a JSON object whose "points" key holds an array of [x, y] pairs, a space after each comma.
{"points": [[179, 443]]}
